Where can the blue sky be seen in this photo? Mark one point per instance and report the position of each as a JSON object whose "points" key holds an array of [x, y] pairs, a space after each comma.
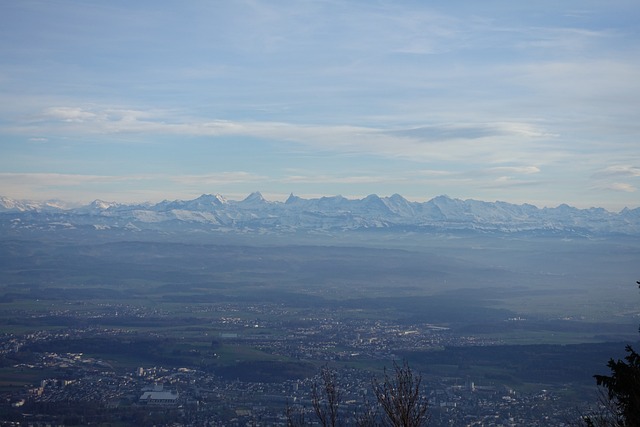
{"points": [[535, 102]]}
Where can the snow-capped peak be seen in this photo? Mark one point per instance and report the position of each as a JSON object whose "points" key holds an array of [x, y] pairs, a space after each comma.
{"points": [[335, 213], [10, 205], [102, 205], [255, 197]]}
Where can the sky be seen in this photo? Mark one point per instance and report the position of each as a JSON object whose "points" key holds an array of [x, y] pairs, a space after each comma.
{"points": [[523, 102]]}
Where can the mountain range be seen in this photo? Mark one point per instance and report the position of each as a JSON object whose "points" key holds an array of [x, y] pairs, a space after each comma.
{"points": [[326, 214]]}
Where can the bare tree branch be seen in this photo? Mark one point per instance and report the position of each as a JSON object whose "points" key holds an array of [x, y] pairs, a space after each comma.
{"points": [[400, 397], [326, 399], [295, 418]]}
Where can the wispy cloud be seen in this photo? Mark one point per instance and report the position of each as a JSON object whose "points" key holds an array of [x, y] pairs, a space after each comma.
{"points": [[446, 141], [617, 178], [326, 96], [341, 179], [471, 131], [525, 170], [218, 178], [84, 188], [62, 179], [70, 114], [622, 186], [618, 171], [564, 40]]}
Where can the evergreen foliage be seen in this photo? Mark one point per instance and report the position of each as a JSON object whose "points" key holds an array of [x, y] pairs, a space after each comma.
{"points": [[621, 406]]}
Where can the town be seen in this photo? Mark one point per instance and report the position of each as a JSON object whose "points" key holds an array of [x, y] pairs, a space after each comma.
{"points": [[196, 387]]}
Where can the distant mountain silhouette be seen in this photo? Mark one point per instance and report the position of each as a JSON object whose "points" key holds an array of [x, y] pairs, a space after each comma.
{"points": [[326, 214]]}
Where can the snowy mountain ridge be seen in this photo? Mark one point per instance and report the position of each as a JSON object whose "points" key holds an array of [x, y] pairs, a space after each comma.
{"points": [[335, 213]]}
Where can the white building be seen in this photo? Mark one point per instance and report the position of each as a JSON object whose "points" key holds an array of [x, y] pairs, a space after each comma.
{"points": [[159, 398]]}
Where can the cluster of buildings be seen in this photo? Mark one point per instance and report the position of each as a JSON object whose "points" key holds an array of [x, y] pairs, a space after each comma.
{"points": [[190, 395], [331, 335]]}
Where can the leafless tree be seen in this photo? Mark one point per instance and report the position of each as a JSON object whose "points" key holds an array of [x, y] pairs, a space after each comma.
{"points": [[325, 398], [401, 397], [368, 415], [604, 415], [295, 417], [399, 401]]}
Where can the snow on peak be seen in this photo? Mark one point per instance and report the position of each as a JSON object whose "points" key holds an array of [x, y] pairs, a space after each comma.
{"points": [[337, 212], [208, 199], [255, 197], [11, 205], [102, 205], [292, 199]]}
